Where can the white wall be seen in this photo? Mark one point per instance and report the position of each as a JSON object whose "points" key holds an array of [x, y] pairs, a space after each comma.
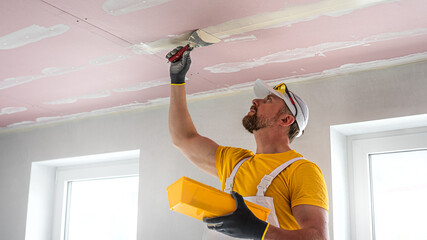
{"points": [[377, 94]]}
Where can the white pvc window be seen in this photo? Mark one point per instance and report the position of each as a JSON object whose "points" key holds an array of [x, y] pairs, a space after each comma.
{"points": [[97, 201], [102, 209], [84, 197], [399, 193], [361, 178], [388, 186]]}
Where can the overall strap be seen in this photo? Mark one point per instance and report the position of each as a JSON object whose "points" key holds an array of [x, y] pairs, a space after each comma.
{"points": [[267, 179], [230, 180]]}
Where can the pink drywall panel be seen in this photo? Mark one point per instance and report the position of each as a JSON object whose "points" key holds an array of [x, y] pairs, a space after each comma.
{"points": [[61, 59]]}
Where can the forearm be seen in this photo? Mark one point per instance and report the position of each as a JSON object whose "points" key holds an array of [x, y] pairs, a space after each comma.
{"points": [[274, 233], [181, 126]]}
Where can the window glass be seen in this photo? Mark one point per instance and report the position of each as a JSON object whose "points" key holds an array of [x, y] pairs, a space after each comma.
{"points": [[102, 209], [399, 193]]}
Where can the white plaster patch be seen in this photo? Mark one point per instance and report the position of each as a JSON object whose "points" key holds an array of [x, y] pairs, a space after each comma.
{"points": [[344, 69], [56, 71], [339, 13], [15, 81], [354, 67], [144, 85], [47, 72], [160, 45], [241, 39], [46, 119], [12, 110], [108, 59], [357, 67], [289, 15], [102, 94], [20, 124], [143, 48], [280, 57], [283, 17], [119, 7], [290, 23], [395, 35], [33, 33], [317, 50]]}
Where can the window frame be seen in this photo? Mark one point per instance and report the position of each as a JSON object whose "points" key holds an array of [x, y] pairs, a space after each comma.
{"points": [[344, 223], [65, 175], [42, 222], [361, 147]]}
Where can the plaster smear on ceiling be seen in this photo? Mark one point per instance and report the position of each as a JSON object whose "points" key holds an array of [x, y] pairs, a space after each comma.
{"points": [[56, 71], [131, 106], [358, 67], [145, 85], [294, 14], [12, 110], [102, 94], [318, 50], [291, 14], [108, 59], [31, 34], [241, 39], [47, 72], [354, 67], [119, 7], [344, 69]]}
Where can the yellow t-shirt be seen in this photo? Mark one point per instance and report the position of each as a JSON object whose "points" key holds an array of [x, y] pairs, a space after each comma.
{"points": [[300, 183]]}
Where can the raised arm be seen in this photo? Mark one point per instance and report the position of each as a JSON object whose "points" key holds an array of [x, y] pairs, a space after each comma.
{"points": [[200, 150]]}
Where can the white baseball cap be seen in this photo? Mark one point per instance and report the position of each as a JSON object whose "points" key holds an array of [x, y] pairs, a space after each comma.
{"points": [[296, 104]]}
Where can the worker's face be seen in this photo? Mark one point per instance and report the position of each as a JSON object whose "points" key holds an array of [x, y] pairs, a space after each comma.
{"points": [[263, 113]]}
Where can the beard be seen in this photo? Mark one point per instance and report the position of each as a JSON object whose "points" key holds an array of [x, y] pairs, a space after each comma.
{"points": [[254, 122]]}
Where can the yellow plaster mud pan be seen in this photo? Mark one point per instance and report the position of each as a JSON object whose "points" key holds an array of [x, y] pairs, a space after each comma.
{"points": [[198, 200]]}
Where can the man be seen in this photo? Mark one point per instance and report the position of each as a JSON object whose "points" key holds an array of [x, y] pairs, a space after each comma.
{"points": [[275, 176]]}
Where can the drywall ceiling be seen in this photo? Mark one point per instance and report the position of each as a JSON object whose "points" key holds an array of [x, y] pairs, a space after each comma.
{"points": [[65, 59]]}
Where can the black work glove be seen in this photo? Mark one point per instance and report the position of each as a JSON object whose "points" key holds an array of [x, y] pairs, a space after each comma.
{"points": [[242, 223], [179, 68]]}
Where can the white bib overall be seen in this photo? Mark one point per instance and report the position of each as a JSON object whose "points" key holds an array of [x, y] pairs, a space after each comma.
{"points": [[259, 199]]}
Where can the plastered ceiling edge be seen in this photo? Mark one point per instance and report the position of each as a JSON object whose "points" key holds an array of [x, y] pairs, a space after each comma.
{"points": [[262, 21], [235, 89]]}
